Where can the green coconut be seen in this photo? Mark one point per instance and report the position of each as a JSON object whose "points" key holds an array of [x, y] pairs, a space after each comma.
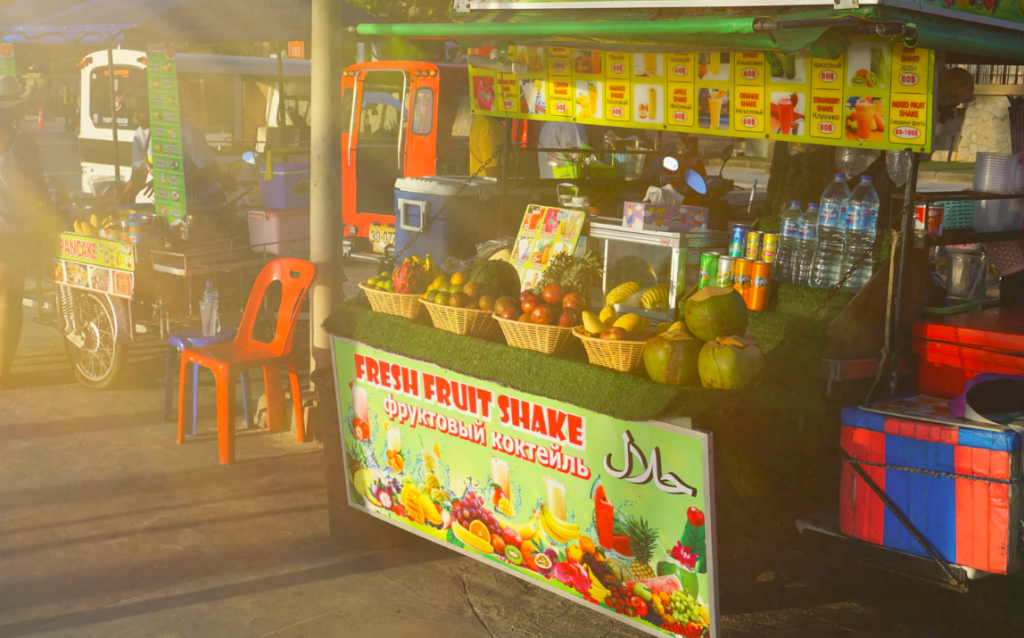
{"points": [[715, 312], [501, 275], [729, 363], [671, 358]]}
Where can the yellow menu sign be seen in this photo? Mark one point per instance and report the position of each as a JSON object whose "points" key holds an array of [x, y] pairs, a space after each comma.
{"points": [[878, 94]]}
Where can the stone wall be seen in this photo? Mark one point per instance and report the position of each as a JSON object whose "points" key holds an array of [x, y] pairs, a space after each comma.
{"points": [[986, 128]]}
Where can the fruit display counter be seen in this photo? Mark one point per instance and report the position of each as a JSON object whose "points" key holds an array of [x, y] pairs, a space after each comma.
{"points": [[593, 483]]}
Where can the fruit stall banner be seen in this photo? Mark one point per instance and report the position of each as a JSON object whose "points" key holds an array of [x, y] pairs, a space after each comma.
{"points": [[7, 60], [877, 95], [545, 232], [166, 136], [1002, 13], [612, 514]]}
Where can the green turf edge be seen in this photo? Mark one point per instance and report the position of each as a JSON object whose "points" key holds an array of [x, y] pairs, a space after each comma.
{"points": [[791, 340]]}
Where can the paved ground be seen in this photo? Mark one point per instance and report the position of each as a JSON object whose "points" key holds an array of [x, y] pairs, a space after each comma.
{"points": [[110, 529]]}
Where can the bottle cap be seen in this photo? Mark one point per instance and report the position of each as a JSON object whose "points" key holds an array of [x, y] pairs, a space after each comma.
{"points": [[795, 202], [812, 206], [865, 178], [840, 176]]}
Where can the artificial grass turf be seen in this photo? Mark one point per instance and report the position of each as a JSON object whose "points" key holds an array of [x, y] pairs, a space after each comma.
{"points": [[792, 342]]}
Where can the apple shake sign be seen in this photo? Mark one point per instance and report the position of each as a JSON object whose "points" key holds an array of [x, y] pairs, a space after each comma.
{"points": [[615, 515]]}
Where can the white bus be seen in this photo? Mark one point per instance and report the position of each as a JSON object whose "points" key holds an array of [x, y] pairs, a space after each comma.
{"points": [[234, 99]]}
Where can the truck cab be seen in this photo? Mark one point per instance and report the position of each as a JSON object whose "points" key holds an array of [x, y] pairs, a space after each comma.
{"points": [[400, 119]]}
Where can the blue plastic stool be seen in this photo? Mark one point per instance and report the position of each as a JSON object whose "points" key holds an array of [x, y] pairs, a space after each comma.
{"points": [[193, 338]]}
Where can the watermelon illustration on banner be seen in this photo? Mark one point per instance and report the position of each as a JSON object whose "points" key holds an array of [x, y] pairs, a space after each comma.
{"points": [[166, 138]]}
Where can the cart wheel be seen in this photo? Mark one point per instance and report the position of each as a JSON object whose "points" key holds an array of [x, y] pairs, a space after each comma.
{"points": [[100, 359]]}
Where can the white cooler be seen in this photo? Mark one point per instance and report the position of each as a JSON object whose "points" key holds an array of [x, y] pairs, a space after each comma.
{"points": [[282, 232]]}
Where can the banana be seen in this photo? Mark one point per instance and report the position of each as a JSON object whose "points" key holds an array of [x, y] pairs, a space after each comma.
{"points": [[526, 530], [559, 530], [78, 227], [551, 534], [471, 539], [430, 511], [94, 220]]}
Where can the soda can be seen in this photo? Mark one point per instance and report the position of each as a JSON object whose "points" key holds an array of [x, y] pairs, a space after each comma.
{"points": [[762, 285], [742, 270], [738, 242], [724, 277], [769, 247], [753, 251], [708, 270]]}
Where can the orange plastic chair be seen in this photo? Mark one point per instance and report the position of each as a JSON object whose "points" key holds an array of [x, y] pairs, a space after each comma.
{"points": [[228, 360]]}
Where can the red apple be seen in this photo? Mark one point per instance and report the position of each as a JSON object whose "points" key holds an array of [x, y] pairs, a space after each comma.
{"points": [[552, 293], [568, 318], [574, 301], [615, 334], [523, 295], [501, 304], [542, 314], [529, 302]]}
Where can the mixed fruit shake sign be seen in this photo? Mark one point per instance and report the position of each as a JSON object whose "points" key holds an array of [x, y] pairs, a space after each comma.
{"points": [[548, 423]]}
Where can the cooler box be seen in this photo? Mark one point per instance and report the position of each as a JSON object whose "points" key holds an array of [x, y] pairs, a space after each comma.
{"points": [[288, 186], [285, 232], [468, 219], [951, 350], [957, 481]]}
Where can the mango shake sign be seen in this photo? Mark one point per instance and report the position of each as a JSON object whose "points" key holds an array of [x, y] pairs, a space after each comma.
{"points": [[613, 514]]}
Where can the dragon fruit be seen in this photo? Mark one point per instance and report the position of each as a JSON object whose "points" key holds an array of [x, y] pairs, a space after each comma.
{"points": [[410, 278]]}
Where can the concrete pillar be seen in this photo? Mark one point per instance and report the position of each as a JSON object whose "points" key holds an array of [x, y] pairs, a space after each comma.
{"points": [[325, 226]]}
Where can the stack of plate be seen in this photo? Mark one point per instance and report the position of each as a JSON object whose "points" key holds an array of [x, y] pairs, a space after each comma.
{"points": [[1002, 174]]}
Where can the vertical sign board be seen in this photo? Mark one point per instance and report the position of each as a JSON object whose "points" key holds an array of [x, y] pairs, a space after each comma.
{"points": [[166, 136], [615, 515], [7, 59], [297, 50]]}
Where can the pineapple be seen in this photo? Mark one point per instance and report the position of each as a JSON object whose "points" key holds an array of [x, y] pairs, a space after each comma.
{"points": [[642, 539]]}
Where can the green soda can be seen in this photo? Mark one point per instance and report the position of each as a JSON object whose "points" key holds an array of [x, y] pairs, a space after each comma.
{"points": [[708, 269]]}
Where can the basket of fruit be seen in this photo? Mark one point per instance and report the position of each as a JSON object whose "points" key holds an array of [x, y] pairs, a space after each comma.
{"points": [[540, 322], [463, 304], [398, 292], [615, 342]]}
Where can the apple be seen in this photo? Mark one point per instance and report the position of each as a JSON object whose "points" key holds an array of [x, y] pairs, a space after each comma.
{"points": [[486, 303], [505, 302], [542, 314], [615, 334], [574, 301], [459, 300], [523, 295], [568, 318], [530, 302], [473, 305], [552, 293]]}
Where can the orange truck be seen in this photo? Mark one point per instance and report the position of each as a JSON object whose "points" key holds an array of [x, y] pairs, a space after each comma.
{"points": [[401, 119]]}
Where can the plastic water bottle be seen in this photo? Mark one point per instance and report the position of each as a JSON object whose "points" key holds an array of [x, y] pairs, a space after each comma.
{"points": [[861, 223], [828, 260], [789, 235], [208, 310], [807, 244]]}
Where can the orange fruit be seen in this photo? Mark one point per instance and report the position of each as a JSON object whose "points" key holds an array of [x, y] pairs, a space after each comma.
{"points": [[587, 545], [479, 529]]}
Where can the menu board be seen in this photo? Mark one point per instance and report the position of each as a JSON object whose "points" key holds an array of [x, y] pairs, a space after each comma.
{"points": [[878, 94], [100, 265], [544, 233], [7, 59], [166, 135]]}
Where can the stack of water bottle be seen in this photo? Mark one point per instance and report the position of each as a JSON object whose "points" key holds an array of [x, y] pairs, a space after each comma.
{"points": [[821, 244]]}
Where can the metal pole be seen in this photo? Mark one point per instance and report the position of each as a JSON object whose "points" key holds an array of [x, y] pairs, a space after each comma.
{"points": [[113, 114], [503, 177], [282, 117], [906, 243], [325, 172]]}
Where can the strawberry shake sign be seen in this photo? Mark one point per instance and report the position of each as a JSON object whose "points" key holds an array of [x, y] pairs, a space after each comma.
{"points": [[615, 515]]}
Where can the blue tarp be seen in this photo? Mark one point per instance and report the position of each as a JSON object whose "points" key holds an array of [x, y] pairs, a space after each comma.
{"points": [[101, 21]]}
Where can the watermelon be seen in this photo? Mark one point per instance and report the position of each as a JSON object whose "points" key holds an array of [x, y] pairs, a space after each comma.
{"points": [[667, 583], [501, 275], [716, 312], [686, 577], [729, 363]]}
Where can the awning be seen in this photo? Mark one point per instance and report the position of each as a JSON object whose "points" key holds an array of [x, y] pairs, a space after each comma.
{"points": [[103, 21]]}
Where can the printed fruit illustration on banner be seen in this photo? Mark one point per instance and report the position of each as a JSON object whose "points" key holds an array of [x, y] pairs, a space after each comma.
{"points": [[532, 486]]}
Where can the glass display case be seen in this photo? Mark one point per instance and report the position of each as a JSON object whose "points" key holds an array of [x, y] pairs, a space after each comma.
{"points": [[649, 271]]}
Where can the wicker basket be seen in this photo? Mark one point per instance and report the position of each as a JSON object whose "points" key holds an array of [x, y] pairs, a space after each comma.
{"points": [[392, 303], [461, 321], [623, 356], [533, 336]]}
